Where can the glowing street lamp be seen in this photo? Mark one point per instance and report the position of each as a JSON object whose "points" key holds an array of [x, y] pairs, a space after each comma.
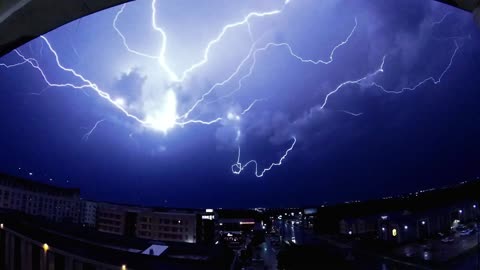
{"points": [[45, 247]]}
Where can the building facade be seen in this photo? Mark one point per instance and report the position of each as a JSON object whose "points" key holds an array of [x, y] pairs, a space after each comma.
{"points": [[38, 199], [148, 223], [89, 213], [111, 218], [167, 226], [358, 226]]}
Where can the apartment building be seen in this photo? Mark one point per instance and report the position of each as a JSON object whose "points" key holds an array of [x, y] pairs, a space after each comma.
{"points": [[38, 199]]}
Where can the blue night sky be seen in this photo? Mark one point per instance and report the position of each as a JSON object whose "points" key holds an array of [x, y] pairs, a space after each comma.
{"points": [[363, 143]]}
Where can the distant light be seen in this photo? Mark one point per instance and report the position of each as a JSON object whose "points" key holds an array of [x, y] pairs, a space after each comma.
{"points": [[247, 222], [474, 206], [292, 214], [460, 211], [405, 227], [209, 217], [221, 224], [216, 243], [423, 222], [286, 214], [383, 229], [1, 225], [299, 213], [350, 232], [124, 267], [179, 221], [209, 210], [45, 247], [394, 232], [30, 173], [384, 217]]}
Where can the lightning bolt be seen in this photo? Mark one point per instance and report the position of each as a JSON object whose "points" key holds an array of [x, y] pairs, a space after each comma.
{"points": [[429, 79], [381, 70], [87, 84], [357, 82], [253, 54], [251, 105], [350, 113], [238, 167], [163, 48], [15, 64], [434, 23], [87, 135], [173, 77]]}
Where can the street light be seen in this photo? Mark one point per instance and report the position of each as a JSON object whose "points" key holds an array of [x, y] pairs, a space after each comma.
{"points": [[124, 267], [45, 247], [405, 227]]}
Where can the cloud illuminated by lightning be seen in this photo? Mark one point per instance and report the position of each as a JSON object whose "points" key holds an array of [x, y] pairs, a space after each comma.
{"points": [[168, 118]]}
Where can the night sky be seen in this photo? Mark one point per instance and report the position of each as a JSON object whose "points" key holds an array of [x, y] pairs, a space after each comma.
{"points": [[364, 143]]}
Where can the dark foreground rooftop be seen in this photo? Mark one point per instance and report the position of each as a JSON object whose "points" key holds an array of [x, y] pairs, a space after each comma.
{"points": [[117, 251]]}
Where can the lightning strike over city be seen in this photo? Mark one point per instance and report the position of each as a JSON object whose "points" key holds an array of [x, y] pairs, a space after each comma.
{"points": [[304, 95]]}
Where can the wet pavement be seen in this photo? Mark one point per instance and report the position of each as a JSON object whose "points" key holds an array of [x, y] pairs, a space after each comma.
{"points": [[436, 250]]}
